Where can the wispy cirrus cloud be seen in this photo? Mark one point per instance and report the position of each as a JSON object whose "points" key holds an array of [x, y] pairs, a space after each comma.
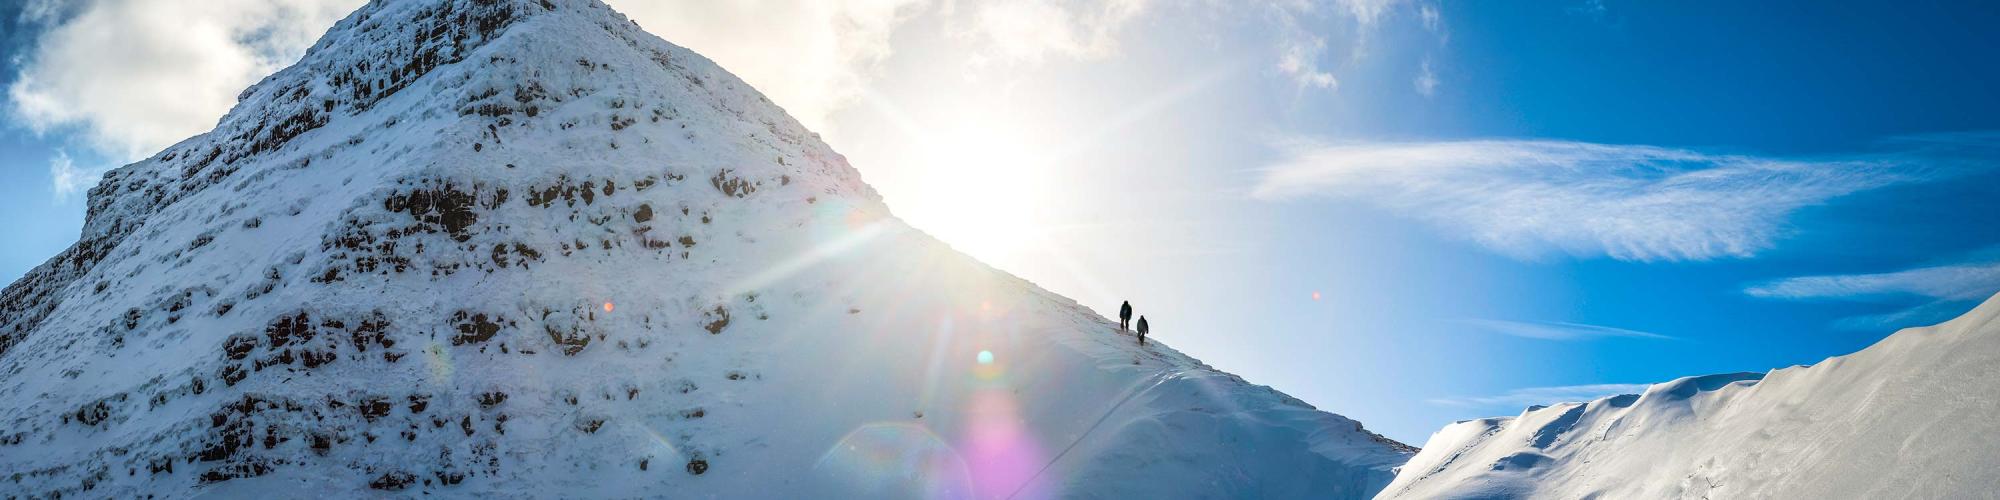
{"points": [[1556, 330], [1968, 281], [1945, 292], [1929, 313], [1531, 198], [1524, 397], [1302, 41], [1426, 81]]}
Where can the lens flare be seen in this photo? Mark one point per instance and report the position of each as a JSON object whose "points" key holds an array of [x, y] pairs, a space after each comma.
{"points": [[989, 370], [1002, 452], [607, 306], [894, 460], [673, 452], [1315, 295]]}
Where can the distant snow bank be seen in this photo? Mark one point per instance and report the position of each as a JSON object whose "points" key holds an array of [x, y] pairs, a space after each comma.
{"points": [[1916, 415]]}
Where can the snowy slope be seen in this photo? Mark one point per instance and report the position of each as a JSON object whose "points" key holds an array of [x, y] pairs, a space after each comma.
{"points": [[522, 248], [1914, 416]]}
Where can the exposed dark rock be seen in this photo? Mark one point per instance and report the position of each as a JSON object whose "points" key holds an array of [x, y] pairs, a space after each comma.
{"points": [[473, 328], [731, 185], [488, 400], [393, 481], [715, 320], [374, 408], [589, 425]]}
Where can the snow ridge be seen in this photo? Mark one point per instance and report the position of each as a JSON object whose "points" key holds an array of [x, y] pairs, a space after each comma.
{"points": [[522, 248], [1909, 417]]}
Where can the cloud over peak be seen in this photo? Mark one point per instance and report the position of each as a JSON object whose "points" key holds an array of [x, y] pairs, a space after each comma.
{"points": [[116, 80], [134, 76]]}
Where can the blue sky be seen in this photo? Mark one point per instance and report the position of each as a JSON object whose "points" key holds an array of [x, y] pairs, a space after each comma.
{"points": [[1497, 203]]}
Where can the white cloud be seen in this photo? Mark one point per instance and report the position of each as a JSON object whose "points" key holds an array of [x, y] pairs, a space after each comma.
{"points": [[1029, 30], [45, 11], [1298, 58], [1302, 35], [1521, 398], [1367, 12], [1952, 282], [1947, 290], [132, 76], [1426, 81], [812, 57], [1531, 198], [1555, 330], [68, 179], [1300, 48]]}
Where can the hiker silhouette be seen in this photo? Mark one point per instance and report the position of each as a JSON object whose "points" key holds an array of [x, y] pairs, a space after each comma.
{"points": [[1124, 315], [1142, 330]]}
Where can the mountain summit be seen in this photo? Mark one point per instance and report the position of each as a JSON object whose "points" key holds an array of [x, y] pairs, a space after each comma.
{"points": [[522, 248]]}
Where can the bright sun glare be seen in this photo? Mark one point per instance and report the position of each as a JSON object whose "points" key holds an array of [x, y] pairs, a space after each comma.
{"points": [[982, 188]]}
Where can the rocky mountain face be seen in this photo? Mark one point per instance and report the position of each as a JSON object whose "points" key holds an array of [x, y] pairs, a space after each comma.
{"points": [[1909, 417], [523, 248]]}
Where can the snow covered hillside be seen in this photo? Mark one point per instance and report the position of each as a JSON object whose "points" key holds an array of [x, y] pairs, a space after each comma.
{"points": [[1913, 416], [522, 248]]}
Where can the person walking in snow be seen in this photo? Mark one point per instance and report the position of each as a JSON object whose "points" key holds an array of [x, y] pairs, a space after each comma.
{"points": [[1142, 330], [1124, 315]]}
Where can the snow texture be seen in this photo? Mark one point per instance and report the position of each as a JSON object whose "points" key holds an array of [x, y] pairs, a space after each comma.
{"points": [[522, 248], [1911, 417]]}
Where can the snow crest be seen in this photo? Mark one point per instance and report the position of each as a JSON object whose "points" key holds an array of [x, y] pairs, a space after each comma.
{"points": [[1909, 417]]}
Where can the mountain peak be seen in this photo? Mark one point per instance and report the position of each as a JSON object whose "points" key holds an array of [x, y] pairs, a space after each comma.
{"points": [[495, 64], [471, 74], [526, 248]]}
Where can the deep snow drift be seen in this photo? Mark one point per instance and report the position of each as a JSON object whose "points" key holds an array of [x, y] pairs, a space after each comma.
{"points": [[1913, 416], [521, 248]]}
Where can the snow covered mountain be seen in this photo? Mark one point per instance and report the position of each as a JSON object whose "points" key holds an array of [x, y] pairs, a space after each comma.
{"points": [[1913, 416], [522, 248]]}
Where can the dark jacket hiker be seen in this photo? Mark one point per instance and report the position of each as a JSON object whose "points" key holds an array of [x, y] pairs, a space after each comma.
{"points": [[1142, 330], [1124, 315]]}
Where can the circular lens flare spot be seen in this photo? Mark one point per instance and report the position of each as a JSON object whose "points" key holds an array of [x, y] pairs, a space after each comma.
{"points": [[1315, 296], [1004, 454], [985, 357], [607, 304]]}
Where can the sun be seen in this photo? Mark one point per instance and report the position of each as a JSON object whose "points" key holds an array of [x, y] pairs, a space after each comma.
{"points": [[983, 189]]}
